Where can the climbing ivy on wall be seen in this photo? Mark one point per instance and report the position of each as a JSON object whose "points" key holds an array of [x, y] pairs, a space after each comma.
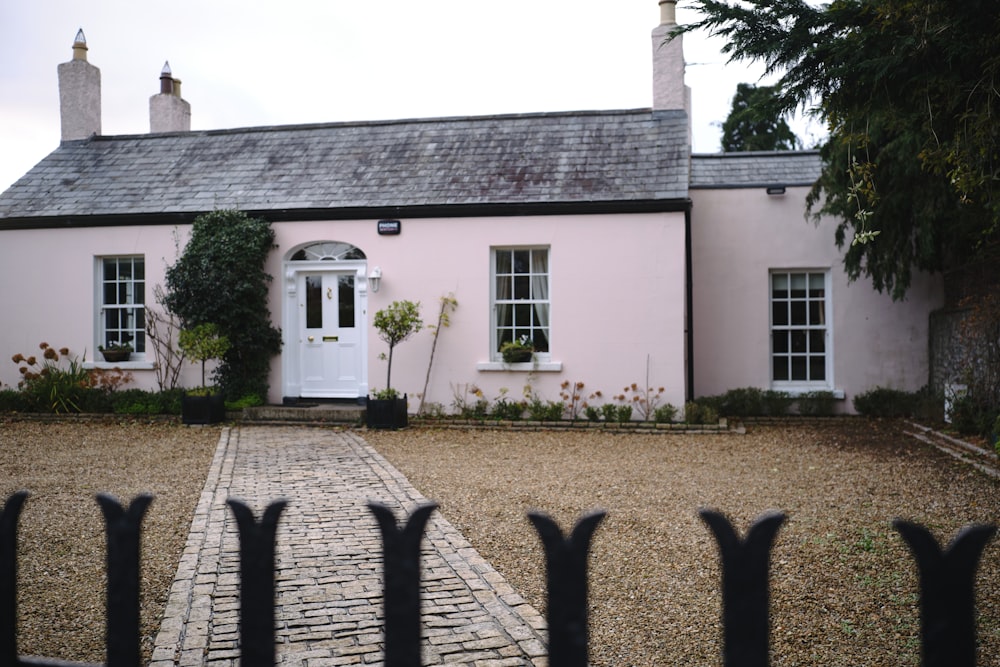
{"points": [[219, 279]]}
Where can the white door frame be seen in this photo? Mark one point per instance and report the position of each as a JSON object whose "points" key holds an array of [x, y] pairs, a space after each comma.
{"points": [[291, 366]]}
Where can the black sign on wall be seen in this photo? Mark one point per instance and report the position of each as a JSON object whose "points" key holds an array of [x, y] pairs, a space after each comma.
{"points": [[389, 227]]}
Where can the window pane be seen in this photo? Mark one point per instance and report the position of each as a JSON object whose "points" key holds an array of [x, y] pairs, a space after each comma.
{"points": [[345, 297], [314, 302], [817, 368], [779, 313], [110, 269], [817, 341], [799, 368], [780, 365], [816, 314], [798, 313], [779, 286], [798, 341], [504, 290], [541, 340], [125, 269], [798, 285], [503, 261], [139, 267], [522, 261], [817, 285], [522, 287], [522, 316], [109, 294], [780, 341]]}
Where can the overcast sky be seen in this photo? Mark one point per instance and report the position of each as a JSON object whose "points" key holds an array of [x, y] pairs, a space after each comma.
{"points": [[248, 63]]}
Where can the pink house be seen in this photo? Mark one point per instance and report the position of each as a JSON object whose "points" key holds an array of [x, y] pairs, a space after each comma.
{"points": [[597, 234]]}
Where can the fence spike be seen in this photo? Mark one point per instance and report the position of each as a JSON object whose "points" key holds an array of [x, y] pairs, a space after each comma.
{"points": [[745, 591], [123, 528], [401, 590], [566, 573], [8, 576], [947, 592], [257, 615]]}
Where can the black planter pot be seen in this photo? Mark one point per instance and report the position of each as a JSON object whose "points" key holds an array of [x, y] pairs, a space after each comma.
{"points": [[387, 413], [115, 356], [517, 356], [209, 409]]}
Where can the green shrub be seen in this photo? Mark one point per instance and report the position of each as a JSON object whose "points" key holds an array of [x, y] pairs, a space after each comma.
{"points": [[744, 402], [248, 401], [220, 277], [12, 400], [970, 415], [996, 435], [504, 408], [539, 410], [700, 412], [57, 382], [885, 402], [142, 402], [610, 412], [592, 413], [816, 403], [776, 403], [665, 414], [623, 413]]}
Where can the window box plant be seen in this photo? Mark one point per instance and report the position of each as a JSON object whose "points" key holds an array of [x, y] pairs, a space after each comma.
{"points": [[385, 408], [202, 405], [115, 352], [518, 351]]}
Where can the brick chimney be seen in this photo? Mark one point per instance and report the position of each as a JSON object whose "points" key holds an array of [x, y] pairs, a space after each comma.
{"points": [[669, 91], [168, 112], [79, 94]]}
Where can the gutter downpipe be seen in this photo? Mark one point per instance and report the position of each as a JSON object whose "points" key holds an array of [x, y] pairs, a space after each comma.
{"points": [[689, 294]]}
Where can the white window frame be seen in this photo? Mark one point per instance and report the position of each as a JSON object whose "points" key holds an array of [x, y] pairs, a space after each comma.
{"points": [[540, 357], [826, 326], [100, 332]]}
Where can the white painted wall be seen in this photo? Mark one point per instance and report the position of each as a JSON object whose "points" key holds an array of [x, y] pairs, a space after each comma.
{"points": [[738, 236]]}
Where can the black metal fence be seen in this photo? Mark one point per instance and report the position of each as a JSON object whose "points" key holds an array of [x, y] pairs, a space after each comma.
{"points": [[946, 577]]}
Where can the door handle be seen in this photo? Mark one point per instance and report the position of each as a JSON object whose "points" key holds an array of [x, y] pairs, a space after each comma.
{"points": [[311, 338]]}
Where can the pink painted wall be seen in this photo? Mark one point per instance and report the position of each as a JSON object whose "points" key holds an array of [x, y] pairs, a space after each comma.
{"points": [[48, 290], [738, 236], [617, 293]]}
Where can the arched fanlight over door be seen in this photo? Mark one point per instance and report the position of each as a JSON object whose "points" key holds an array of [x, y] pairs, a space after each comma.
{"points": [[328, 251]]}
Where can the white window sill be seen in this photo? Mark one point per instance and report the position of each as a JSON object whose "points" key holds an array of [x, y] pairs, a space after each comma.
{"points": [[527, 366], [799, 390], [134, 365]]}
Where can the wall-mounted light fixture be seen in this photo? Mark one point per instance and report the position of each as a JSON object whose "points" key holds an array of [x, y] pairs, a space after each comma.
{"points": [[776, 189], [375, 278]]}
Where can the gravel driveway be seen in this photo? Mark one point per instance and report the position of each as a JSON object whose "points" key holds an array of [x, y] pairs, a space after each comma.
{"points": [[843, 582]]}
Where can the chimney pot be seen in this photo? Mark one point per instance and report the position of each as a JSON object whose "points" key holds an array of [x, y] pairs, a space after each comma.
{"points": [[668, 12], [80, 46], [166, 81]]}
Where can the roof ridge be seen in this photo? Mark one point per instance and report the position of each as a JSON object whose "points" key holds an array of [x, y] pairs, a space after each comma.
{"points": [[295, 127]]}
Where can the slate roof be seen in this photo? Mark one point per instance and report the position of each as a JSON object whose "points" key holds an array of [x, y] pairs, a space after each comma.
{"points": [[510, 160], [754, 169]]}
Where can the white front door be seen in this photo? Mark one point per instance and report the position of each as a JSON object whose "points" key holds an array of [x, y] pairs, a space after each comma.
{"points": [[330, 321]]}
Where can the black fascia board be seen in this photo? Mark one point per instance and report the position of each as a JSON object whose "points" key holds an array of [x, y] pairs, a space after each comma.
{"points": [[502, 209]]}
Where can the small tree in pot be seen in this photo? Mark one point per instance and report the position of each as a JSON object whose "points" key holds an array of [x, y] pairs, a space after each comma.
{"points": [[396, 323], [199, 344]]}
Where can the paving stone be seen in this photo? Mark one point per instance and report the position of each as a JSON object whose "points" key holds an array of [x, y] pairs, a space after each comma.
{"points": [[328, 559]]}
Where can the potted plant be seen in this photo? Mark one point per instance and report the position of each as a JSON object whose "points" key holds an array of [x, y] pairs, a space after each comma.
{"points": [[517, 351], [201, 343], [116, 351], [385, 408]]}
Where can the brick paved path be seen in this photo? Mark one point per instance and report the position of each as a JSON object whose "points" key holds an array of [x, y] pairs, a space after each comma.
{"points": [[329, 606]]}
